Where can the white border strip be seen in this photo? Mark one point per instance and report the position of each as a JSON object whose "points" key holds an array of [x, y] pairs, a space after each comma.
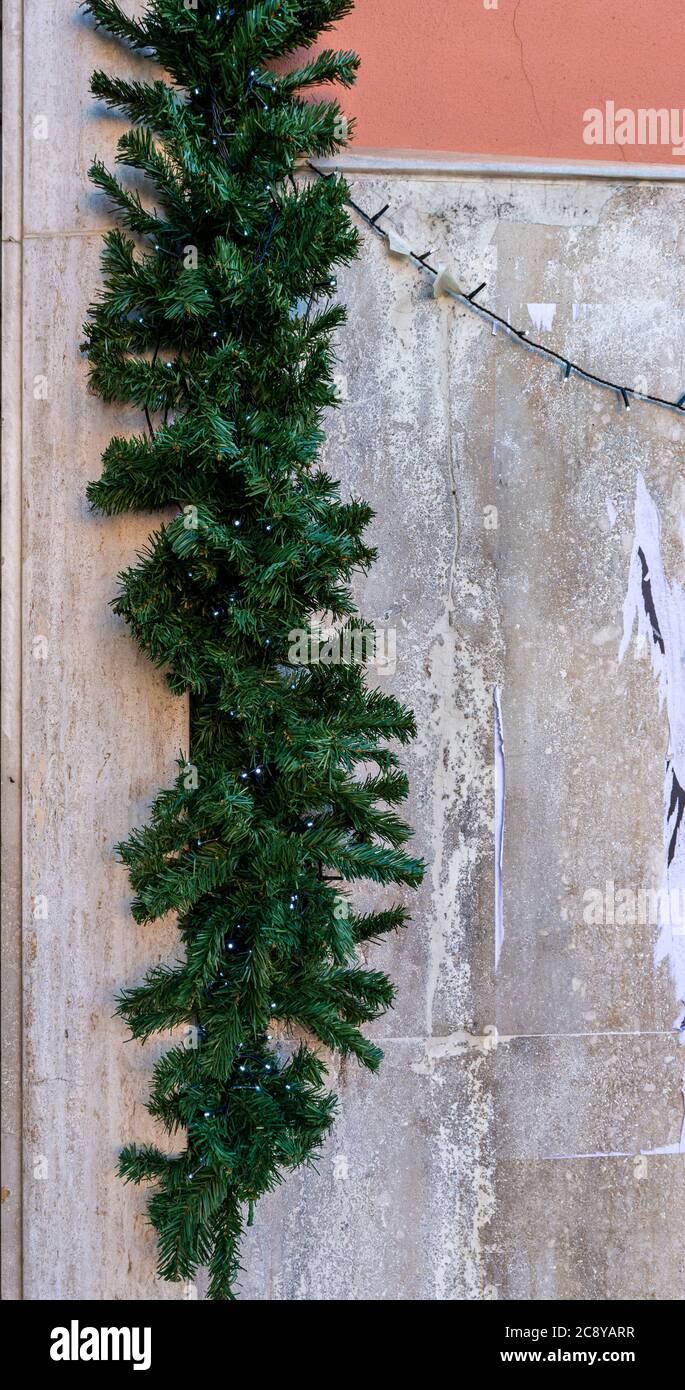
{"points": [[436, 164]]}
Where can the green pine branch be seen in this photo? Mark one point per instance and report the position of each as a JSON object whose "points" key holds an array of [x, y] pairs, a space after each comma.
{"points": [[216, 318]]}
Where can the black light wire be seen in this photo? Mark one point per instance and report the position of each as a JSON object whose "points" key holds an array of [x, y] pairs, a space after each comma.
{"points": [[469, 302]]}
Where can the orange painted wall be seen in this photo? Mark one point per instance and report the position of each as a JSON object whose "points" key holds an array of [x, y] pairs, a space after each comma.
{"points": [[514, 79]]}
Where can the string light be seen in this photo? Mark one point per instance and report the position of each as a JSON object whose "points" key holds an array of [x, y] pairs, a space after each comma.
{"points": [[593, 378], [477, 290]]}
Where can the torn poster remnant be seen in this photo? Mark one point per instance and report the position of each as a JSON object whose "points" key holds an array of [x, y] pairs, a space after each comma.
{"points": [[500, 794], [657, 606], [542, 316]]}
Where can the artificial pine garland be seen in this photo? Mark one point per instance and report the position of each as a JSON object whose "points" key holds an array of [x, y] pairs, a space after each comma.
{"points": [[216, 320]]}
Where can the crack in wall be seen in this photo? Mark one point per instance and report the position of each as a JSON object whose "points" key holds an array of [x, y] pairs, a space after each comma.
{"points": [[648, 600], [675, 812], [614, 1153], [524, 69]]}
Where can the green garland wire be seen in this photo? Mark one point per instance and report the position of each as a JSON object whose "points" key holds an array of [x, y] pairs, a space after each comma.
{"points": [[216, 320]]}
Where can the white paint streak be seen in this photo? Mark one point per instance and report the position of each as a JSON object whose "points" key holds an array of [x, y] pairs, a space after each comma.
{"points": [[667, 623], [500, 800], [542, 316], [459, 701], [454, 1045], [611, 512], [617, 1153]]}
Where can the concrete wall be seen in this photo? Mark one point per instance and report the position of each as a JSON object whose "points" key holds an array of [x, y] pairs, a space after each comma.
{"points": [[505, 1150]]}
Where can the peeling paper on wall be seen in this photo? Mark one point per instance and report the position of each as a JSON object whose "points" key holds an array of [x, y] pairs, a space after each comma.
{"points": [[500, 798], [445, 282], [657, 608], [397, 246], [542, 316]]}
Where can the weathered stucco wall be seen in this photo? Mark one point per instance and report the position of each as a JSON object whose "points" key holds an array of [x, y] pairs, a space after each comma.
{"points": [[505, 1149], [509, 76]]}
